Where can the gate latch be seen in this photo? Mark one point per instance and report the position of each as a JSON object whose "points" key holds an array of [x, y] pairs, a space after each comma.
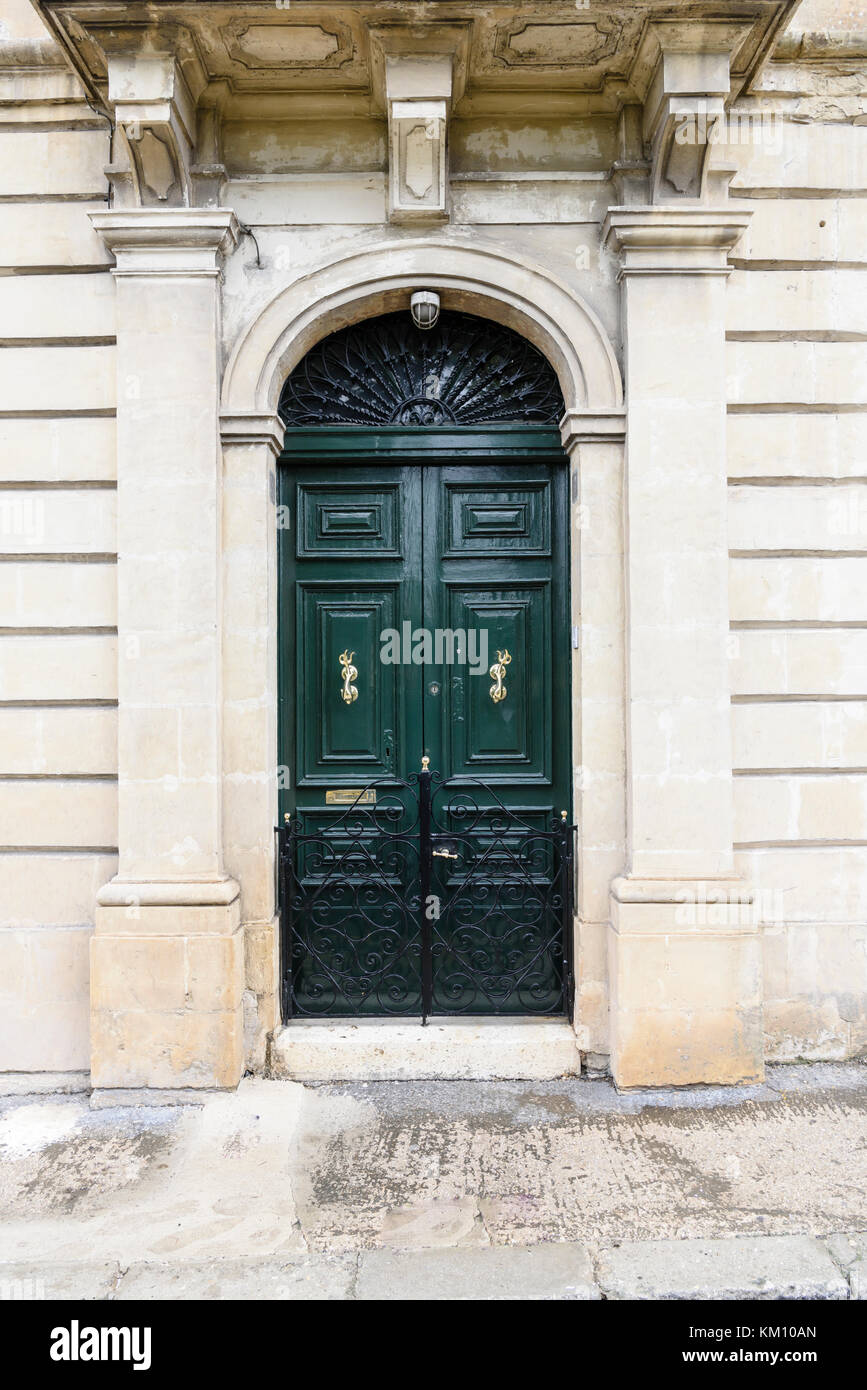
{"points": [[443, 854]]}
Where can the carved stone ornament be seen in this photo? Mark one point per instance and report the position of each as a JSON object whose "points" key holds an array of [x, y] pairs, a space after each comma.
{"points": [[281, 45], [557, 44]]}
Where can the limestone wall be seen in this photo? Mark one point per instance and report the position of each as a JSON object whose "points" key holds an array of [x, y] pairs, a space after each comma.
{"points": [[57, 552], [798, 498], [797, 359]]}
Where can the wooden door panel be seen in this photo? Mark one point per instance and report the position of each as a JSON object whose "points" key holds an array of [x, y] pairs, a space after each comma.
{"points": [[349, 520], [505, 740], [345, 740], [447, 548], [484, 520]]}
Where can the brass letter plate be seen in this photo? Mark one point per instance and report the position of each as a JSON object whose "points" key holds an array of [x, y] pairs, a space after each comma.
{"points": [[348, 797]]}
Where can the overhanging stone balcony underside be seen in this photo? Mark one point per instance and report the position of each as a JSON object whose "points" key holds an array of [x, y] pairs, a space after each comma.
{"points": [[506, 58]]}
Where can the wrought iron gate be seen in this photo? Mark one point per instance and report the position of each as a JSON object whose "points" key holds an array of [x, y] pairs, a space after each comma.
{"points": [[426, 898]]}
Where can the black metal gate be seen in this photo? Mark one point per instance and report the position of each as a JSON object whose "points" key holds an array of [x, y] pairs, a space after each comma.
{"points": [[426, 898]]}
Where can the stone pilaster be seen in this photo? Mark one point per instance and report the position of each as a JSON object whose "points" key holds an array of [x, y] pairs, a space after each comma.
{"points": [[167, 954], [683, 949]]}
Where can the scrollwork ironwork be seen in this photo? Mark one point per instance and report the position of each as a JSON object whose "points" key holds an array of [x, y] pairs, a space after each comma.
{"points": [[358, 934], [385, 371]]}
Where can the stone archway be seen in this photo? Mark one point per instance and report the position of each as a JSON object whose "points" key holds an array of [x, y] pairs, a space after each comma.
{"points": [[359, 284], [479, 280]]}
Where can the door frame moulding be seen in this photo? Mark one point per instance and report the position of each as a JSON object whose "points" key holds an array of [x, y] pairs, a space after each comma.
{"points": [[511, 290]]}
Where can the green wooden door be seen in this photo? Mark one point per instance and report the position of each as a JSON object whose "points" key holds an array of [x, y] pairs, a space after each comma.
{"points": [[401, 585]]}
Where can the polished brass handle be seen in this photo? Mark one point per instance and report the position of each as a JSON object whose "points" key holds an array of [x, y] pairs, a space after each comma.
{"points": [[498, 671], [443, 854], [349, 674]]}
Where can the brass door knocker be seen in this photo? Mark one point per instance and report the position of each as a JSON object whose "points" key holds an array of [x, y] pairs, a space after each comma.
{"points": [[349, 674], [498, 671]]}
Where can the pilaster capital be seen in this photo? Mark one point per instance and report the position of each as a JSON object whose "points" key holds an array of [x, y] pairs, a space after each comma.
{"points": [[597, 427], [678, 240], [252, 428], [168, 241]]}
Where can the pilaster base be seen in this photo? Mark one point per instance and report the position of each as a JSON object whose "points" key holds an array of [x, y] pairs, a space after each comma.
{"points": [[685, 985], [167, 984]]}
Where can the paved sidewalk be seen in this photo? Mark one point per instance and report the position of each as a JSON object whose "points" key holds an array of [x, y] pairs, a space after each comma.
{"points": [[748, 1267], [443, 1189]]}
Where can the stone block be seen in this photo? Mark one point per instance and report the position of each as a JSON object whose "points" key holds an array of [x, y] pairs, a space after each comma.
{"points": [[57, 594], [44, 1000], [37, 450], [55, 889], [555, 1271], [57, 813], [795, 445], [318, 1278], [685, 1004], [749, 1268], [58, 740], [166, 1050], [72, 161]]}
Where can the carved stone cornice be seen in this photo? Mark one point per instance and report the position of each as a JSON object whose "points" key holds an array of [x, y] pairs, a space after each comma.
{"points": [[674, 240], [506, 58], [592, 427], [251, 428], [172, 241]]}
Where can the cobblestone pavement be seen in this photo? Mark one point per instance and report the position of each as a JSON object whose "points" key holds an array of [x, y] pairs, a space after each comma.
{"points": [[443, 1189]]}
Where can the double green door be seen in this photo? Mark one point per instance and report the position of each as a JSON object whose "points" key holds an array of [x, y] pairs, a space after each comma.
{"points": [[424, 614]]}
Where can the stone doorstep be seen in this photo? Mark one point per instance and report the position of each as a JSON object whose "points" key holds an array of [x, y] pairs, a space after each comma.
{"points": [[741, 1268], [489, 1049]]}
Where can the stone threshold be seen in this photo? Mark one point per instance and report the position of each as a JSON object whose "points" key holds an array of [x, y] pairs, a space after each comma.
{"points": [[460, 1049]]}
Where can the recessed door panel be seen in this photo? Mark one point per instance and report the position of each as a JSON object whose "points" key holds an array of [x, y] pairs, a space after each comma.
{"points": [[350, 571], [355, 698], [485, 520], [348, 521], [504, 731]]}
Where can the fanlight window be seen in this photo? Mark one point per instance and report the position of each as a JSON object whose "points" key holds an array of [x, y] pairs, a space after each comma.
{"points": [[386, 371]]}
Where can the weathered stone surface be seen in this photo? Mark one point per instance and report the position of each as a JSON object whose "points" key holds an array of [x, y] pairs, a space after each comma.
{"points": [[397, 1049], [307, 1277], [277, 1172], [850, 1252], [424, 1225], [749, 1267], [28, 1282], [553, 1271]]}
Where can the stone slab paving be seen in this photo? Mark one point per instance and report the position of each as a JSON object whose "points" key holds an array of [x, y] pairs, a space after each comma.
{"points": [[306, 1278], [263, 1189], [751, 1267], [850, 1252], [28, 1280], [743, 1268], [557, 1271]]}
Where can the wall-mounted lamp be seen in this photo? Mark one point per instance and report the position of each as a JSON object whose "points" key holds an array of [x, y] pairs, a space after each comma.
{"points": [[425, 308]]}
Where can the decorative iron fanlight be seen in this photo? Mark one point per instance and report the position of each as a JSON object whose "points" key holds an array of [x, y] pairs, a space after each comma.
{"points": [[385, 371]]}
